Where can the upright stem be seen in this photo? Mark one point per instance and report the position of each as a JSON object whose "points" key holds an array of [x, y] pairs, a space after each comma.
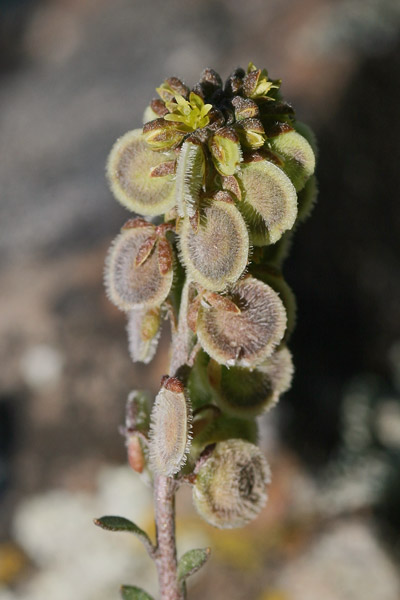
{"points": [[164, 500]]}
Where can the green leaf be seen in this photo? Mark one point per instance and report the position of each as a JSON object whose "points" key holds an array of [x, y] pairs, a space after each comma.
{"points": [[131, 592], [191, 562], [122, 524]]}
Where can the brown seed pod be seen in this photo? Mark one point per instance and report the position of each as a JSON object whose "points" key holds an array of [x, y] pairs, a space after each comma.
{"points": [[230, 486], [216, 255], [135, 453], [245, 393], [129, 169], [247, 338], [170, 430], [270, 201], [143, 328], [131, 286]]}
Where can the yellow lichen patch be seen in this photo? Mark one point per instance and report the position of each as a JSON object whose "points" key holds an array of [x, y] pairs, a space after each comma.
{"points": [[129, 169]]}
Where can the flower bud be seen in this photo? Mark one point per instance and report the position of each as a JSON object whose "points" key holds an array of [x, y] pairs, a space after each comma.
{"points": [[298, 157], [247, 394], [256, 83], [251, 133], [234, 82], [245, 108], [136, 457], [270, 201], [129, 169], [170, 429], [162, 134], [172, 86], [130, 285], [216, 255], [190, 174], [247, 338], [225, 151], [210, 82], [143, 330], [230, 485]]}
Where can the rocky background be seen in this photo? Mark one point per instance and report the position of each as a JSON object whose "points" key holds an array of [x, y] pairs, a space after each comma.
{"points": [[76, 74]]}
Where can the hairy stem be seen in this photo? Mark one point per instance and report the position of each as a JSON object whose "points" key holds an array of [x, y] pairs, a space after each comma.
{"points": [[166, 562]]}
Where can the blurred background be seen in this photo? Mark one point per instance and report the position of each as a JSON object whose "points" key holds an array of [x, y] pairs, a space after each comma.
{"points": [[76, 74]]}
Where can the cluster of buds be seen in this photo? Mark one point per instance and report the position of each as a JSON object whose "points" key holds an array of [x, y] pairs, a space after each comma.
{"points": [[221, 174]]}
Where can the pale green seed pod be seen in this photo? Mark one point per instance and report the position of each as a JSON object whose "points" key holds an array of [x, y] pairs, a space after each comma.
{"points": [[133, 286], [269, 201], [225, 151], [230, 488], [247, 394], [298, 156], [212, 428], [216, 254], [307, 199], [129, 168], [275, 279], [190, 173], [143, 329], [170, 429], [246, 338]]}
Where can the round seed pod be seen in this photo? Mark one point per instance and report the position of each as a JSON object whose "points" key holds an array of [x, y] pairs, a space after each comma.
{"points": [[130, 285], [144, 329], [216, 254], [129, 168], [170, 429], [230, 485], [220, 428], [247, 338], [298, 157], [307, 199], [270, 201], [274, 278], [247, 394]]}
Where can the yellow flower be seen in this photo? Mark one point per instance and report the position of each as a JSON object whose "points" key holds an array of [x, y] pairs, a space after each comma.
{"points": [[192, 113]]}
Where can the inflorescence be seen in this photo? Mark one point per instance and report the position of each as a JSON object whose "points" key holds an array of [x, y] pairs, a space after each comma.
{"points": [[221, 174]]}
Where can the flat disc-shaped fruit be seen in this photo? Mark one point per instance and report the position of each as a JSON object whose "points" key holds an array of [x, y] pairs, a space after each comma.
{"points": [[129, 170], [269, 201], [246, 338], [298, 156], [215, 255], [131, 285]]}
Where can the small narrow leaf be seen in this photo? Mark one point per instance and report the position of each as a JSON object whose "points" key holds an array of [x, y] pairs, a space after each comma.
{"points": [[131, 592], [122, 524], [191, 562]]}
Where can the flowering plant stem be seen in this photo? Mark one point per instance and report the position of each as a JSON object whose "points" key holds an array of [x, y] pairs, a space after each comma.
{"points": [[166, 561]]}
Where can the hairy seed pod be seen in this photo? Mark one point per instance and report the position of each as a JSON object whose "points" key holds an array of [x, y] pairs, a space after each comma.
{"points": [[162, 134], [190, 173], [138, 408], [274, 278], [307, 199], [143, 328], [225, 151], [129, 170], [170, 430], [247, 338], [298, 157], [216, 255], [219, 427], [270, 201], [129, 285], [247, 394], [230, 488]]}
